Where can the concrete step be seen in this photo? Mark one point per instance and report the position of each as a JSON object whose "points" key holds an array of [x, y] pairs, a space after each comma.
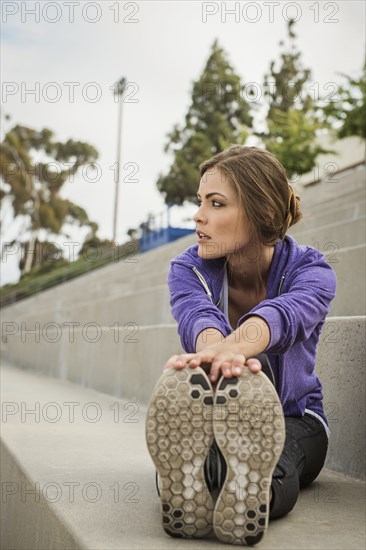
{"points": [[349, 265], [149, 305], [127, 363], [87, 481], [340, 213], [343, 208], [334, 186], [339, 234]]}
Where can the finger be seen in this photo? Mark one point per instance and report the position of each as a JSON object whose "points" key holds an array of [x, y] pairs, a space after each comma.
{"points": [[225, 368], [183, 360], [194, 362], [171, 361], [254, 365], [236, 370], [215, 371], [178, 361], [238, 364]]}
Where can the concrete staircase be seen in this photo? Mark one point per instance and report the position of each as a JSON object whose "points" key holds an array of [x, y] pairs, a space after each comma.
{"points": [[96, 346]]}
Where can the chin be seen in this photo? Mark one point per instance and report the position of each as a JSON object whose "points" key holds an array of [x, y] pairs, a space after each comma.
{"points": [[209, 252]]}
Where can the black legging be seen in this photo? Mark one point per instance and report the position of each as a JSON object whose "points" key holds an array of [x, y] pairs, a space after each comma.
{"points": [[300, 463]]}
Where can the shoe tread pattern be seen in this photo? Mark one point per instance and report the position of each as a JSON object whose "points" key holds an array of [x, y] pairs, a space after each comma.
{"points": [[249, 429], [179, 434]]}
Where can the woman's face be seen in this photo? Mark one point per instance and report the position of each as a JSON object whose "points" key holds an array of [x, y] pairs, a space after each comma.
{"points": [[220, 216]]}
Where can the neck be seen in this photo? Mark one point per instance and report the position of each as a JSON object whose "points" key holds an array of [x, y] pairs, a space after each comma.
{"points": [[243, 268]]}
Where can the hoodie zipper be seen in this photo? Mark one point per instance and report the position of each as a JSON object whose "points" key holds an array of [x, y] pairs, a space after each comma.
{"points": [[281, 283], [203, 281]]}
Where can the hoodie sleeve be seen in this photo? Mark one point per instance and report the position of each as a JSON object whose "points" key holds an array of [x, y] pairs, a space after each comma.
{"points": [[293, 316], [191, 307]]}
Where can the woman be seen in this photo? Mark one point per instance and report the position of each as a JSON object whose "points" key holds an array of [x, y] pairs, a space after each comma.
{"points": [[236, 425]]}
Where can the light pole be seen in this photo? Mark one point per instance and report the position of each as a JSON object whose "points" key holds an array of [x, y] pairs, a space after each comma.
{"points": [[118, 91]]}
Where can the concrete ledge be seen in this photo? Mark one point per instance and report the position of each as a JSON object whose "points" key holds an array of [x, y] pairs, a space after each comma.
{"points": [[128, 362], [28, 521], [150, 304], [340, 234], [114, 504], [341, 368], [349, 265]]}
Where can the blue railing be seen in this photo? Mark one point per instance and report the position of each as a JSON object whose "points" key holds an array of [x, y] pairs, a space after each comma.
{"points": [[162, 236]]}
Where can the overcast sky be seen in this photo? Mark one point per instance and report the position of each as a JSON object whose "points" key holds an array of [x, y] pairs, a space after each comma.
{"points": [[161, 48]]}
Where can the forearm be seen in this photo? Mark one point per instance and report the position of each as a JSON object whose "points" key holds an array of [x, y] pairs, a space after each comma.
{"points": [[208, 337], [250, 339]]}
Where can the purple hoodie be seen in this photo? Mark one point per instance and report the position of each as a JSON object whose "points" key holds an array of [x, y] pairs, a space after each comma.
{"points": [[301, 285]]}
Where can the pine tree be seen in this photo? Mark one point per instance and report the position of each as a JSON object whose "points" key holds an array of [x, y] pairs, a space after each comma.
{"points": [[347, 113], [291, 120], [217, 117]]}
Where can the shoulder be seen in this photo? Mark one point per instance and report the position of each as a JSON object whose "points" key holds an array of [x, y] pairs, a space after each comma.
{"points": [[302, 254], [307, 262]]}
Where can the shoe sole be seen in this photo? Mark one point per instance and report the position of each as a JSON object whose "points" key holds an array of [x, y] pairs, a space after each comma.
{"points": [[249, 429], [179, 434]]}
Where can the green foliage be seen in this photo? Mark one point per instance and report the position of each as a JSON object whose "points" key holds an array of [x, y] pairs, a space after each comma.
{"points": [[132, 233], [46, 257], [292, 122], [60, 271], [285, 88], [349, 108], [34, 186], [291, 140], [94, 247], [217, 117]]}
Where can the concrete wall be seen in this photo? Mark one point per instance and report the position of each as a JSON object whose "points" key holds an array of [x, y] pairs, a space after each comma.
{"points": [[128, 363]]}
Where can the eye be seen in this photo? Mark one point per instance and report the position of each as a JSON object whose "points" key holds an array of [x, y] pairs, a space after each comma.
{"points": [[217, 205]]}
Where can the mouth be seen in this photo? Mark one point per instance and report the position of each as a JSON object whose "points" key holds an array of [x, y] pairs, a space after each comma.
{"points": [[202, 236]]}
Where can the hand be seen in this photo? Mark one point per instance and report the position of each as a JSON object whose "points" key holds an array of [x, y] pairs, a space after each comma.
{"points": [[223, 358]]}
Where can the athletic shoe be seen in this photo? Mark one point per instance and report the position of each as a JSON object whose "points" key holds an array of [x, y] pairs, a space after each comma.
{"points": [[249, 430], [179, 434]]}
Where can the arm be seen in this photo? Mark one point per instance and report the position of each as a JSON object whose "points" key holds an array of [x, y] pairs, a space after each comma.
{"points": [[192, 308], [247, 341], [250, 339], [208, 337], [282, 322], [227, 354]]}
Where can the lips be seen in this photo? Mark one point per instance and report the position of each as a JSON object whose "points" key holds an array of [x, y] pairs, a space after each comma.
{"points": [[202, 235]]}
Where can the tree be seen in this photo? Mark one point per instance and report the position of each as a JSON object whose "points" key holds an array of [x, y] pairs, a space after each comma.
{"points": [[292, 122], [33, 187], [46, 257], [349, 108], [132, 233], [217, 117]]}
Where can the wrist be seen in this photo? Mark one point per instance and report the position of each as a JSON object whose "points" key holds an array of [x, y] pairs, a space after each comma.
{"points": [[251, 338]]}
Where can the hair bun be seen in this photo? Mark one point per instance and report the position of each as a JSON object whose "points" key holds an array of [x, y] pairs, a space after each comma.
{"points": [[293, 208]]}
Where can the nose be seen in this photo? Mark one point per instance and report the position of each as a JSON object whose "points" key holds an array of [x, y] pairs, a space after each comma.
{"points": [[198, 217]]}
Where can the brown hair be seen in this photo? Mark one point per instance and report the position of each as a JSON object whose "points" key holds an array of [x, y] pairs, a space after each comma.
{"points": [[269, 201]]}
